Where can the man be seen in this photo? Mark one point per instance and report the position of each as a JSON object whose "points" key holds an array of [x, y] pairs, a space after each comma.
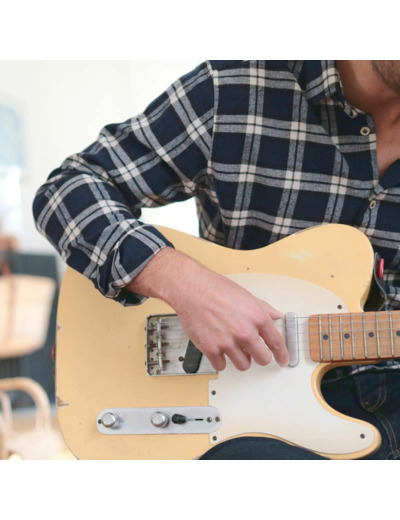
{"points": [[267, 149]]}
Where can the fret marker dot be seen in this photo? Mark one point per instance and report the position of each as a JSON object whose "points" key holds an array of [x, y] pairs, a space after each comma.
{"points": [[398, 333], [371, 334], [347, 335], [325, 336]]}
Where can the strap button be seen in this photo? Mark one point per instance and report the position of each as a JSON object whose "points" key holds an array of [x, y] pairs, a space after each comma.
{"points": [[380, 268]]}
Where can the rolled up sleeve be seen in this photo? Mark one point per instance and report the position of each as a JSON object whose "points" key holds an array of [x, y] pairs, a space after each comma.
{"points": [[89, 207]]}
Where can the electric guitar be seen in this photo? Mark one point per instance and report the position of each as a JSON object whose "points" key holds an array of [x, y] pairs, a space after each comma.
{"points": [[131, 385]]}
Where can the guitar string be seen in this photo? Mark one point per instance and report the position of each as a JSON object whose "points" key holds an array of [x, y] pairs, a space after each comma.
{"points": [[347, 349], [359, 342], [352, 318], [336, 326], [393, 314], [336, 354], [342, 330], [335, 360], [327, 360], [363, 342], [335, 348]]}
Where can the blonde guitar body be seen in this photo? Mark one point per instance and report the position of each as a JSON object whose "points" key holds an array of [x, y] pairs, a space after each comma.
{"points": [[101, 357]]}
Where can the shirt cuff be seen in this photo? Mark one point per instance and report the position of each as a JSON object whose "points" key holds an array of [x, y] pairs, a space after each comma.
{"points": [[129, 256]]}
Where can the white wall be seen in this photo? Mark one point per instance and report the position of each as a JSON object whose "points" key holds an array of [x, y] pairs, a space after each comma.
{"points": [[65, 103], [149, 79]]}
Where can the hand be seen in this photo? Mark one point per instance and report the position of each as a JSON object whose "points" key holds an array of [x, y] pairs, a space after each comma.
{"points": [[219, 316]]}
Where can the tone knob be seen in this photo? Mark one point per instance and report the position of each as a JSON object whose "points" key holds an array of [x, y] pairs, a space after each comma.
{"points": [[159, 419], [110, 420]]}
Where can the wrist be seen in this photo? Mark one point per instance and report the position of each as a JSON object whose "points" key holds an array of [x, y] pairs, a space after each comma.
{"points": [[163, 276]]}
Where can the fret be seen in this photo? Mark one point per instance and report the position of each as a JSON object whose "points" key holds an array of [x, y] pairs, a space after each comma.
{"points": [[385, 335], [391, 333], [330, 337], [358, 336], [336, 338], [326, 337], [321, 348], [347, 336], [377, 335], [353, 350], [396, 333], [341, 336], [315, 338], [370, 333], [365, 337]]}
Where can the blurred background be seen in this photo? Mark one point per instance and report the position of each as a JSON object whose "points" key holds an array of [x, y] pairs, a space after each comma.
{"points": [[49, 110]]}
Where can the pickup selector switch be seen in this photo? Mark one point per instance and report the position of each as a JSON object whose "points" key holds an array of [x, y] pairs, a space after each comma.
{"points": [[179, 419]]}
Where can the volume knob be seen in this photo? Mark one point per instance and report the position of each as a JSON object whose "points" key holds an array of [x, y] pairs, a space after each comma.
{"points": [[159, 419], [110, 420]]}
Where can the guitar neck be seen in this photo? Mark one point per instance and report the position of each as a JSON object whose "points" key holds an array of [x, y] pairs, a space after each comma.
{"points": [[366, 336]]}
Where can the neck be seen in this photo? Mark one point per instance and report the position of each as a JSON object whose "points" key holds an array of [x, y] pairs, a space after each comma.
{"points": [[365, 90], [366, 336]]}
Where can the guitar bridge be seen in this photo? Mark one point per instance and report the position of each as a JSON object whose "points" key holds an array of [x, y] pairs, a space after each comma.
{"points": [[169, 351]]}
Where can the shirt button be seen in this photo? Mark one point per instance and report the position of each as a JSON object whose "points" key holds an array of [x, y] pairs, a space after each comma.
{"points": [[372, 204], [365, 130]]}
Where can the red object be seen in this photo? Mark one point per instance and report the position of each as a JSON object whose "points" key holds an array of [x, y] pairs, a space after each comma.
{"points": [[380, 267], [52, 353]]}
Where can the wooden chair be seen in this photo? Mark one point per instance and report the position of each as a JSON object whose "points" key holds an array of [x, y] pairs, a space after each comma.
{"points": [[36, 442], [25, 305]]}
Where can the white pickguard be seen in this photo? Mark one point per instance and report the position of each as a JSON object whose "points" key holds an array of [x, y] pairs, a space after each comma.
{"points": [[280, 401]]}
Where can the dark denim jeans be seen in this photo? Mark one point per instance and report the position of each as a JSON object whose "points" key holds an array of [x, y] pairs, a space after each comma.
{"points": [[372, 395]]}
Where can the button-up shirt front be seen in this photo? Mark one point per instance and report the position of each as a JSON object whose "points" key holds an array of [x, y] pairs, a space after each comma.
{"points": [[267, 148]]}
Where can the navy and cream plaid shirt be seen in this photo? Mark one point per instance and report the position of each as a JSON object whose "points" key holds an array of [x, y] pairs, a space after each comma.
{"points": [[267, 148]]}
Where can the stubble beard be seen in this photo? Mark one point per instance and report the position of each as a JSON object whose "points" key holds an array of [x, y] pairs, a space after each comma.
{"points": [[389, 73]]}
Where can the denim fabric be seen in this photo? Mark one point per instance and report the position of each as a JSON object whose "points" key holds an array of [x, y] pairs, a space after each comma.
{"points": [[258, 448], [372, 395]]}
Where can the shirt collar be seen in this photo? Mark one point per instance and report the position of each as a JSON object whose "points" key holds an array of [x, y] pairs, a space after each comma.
{"points": [[320, 80]]}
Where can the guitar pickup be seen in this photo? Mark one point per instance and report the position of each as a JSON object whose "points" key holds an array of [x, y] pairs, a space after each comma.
{"points": [[169, 351], [292, 338], [192, 360]]}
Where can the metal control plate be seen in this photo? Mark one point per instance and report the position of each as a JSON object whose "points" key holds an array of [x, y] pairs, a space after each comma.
{"points": [[137, 421]]}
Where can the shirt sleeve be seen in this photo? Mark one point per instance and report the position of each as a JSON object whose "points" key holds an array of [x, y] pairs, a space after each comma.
{"points": [[89, 207]]}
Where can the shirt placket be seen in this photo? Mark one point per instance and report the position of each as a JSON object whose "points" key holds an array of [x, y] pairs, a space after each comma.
{"points": [[367, 130]]}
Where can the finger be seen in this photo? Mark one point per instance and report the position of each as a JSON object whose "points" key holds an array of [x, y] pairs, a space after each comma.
{"points": [[260, 352], [218, 361], [240, 358], [274, 313], [275, 342]]}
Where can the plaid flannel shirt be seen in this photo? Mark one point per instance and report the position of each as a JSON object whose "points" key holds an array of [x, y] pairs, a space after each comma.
{"points": [[267, 148]]}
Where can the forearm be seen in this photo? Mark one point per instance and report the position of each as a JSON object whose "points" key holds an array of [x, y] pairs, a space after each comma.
{"points": [[167, 272]]}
